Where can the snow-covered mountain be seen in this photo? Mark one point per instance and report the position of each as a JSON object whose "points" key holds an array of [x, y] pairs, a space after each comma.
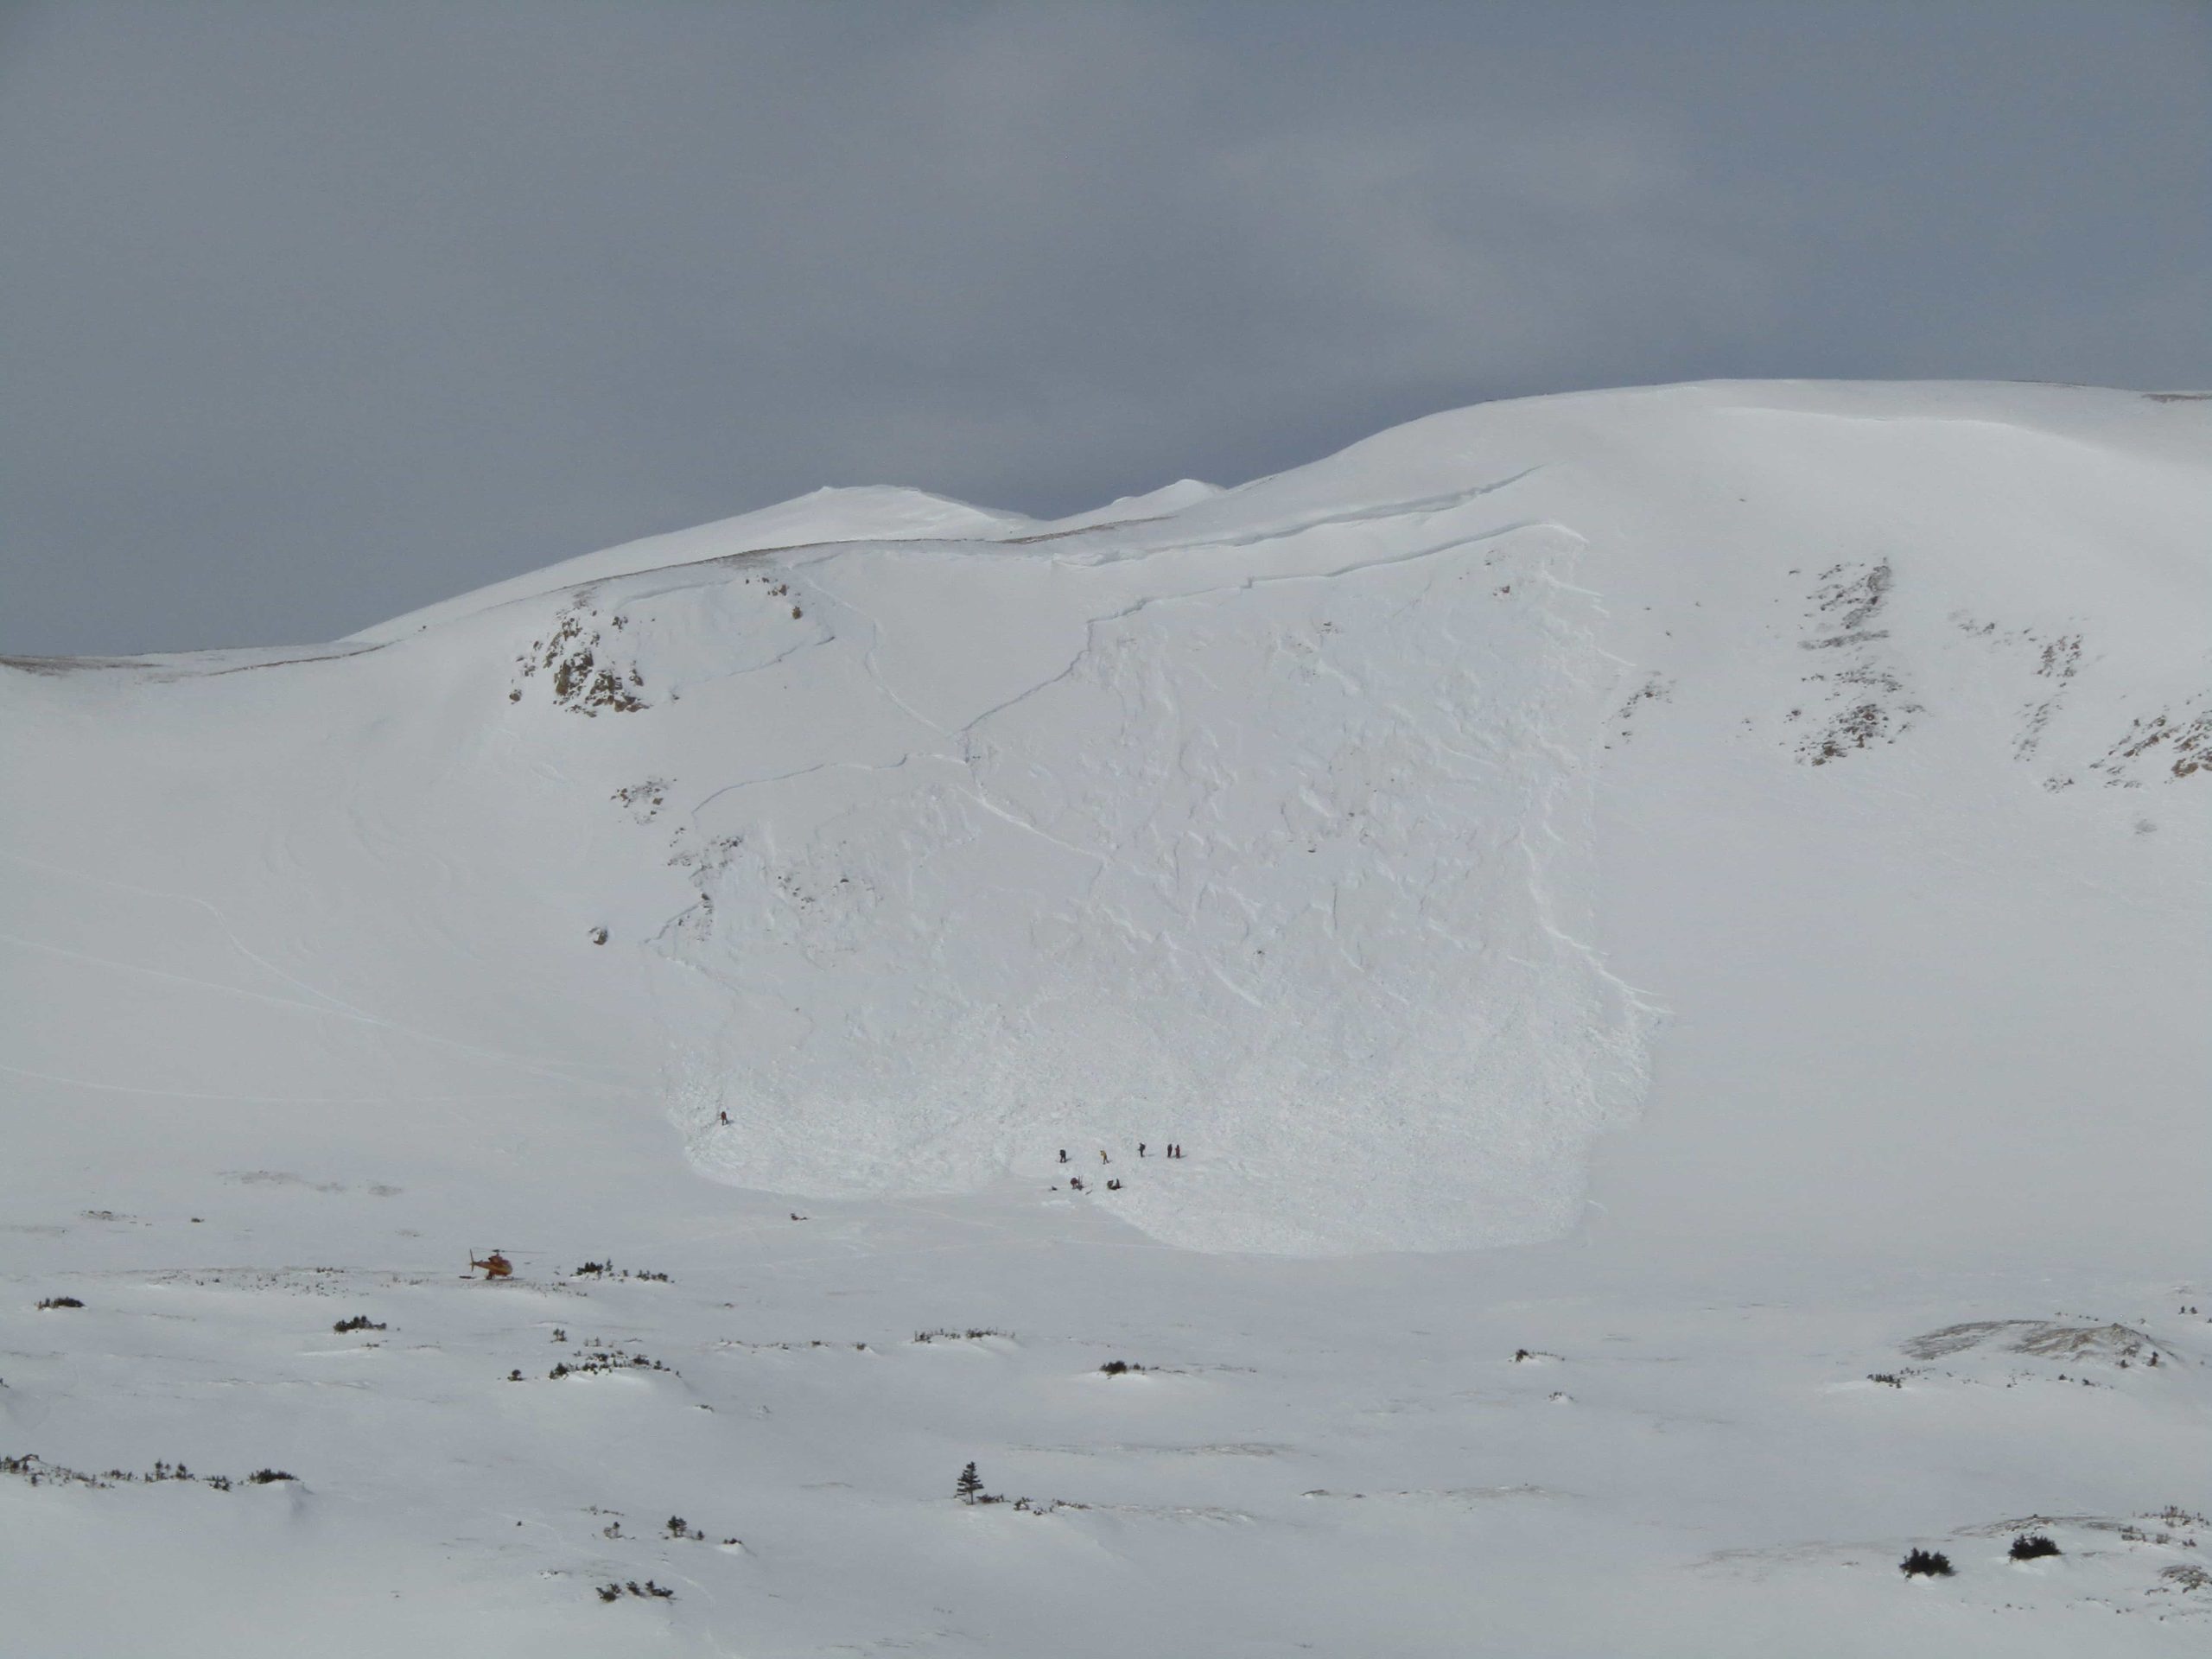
{"points": [[1711, 825]]}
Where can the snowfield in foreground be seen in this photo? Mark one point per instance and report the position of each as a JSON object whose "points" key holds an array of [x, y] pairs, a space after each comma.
{"points": [[1741, 847]]}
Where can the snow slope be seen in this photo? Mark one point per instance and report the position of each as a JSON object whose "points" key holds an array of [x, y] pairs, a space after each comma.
{"points": [[1753, 834], [930, 841]]}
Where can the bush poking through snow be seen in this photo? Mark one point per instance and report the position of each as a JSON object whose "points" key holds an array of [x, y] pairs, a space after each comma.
{"points": [[605, 1270], [609, 1359], [38, 1473], [359, 1322], [59, 1301], [1118, 1368], [649, 1589], [973, 1333], [1926, 1564], [2033, 1546]]}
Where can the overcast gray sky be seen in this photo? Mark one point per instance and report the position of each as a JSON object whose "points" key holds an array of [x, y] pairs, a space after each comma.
{"points": [[310, 314]]}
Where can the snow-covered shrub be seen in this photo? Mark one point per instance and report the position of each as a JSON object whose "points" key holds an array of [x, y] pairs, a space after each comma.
{"points": [[616, 1591]]}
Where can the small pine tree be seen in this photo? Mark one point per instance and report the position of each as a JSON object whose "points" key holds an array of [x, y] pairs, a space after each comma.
{"points": [[970, 1487]]}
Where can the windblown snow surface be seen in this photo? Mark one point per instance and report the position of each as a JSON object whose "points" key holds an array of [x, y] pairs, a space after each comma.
{"points": [[1670, 924]]}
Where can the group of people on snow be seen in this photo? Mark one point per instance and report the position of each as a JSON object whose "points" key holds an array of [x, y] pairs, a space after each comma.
{"points": [[1113, 1184], [1074, 1182]]}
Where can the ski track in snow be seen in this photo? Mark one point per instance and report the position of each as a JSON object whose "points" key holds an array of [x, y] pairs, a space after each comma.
{"points": [[324, 1004]]}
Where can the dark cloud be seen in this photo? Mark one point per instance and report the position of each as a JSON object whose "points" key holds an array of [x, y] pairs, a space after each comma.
{"points": [[311, 314]]}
